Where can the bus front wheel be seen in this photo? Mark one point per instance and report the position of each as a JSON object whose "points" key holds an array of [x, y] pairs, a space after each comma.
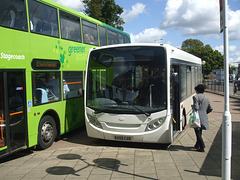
{"points": [[47, 132]]}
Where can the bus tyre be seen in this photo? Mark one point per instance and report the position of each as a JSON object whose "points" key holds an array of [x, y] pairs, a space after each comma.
{"points": [[47, 132]]}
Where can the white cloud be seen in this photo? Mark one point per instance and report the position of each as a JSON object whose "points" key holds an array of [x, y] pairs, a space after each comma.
{"points": [[148, 36], [234, 25], [219, 48], [199, 18], [231, 48], [237, 54], [137, 9], [77, 5], [191, 16], [238, 60], [234, 53]]}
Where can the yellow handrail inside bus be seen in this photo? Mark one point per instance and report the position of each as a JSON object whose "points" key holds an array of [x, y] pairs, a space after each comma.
{"points": [[79, 82], [12, 114]]}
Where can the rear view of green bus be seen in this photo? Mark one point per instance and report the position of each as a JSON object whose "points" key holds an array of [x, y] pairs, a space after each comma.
{"points": [[43, 54]]}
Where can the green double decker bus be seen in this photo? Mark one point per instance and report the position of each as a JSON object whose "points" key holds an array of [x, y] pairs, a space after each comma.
{"points": [[43, 54]]}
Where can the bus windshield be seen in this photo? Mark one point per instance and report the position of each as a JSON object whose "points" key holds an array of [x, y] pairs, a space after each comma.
{"points": [[129, 80]]}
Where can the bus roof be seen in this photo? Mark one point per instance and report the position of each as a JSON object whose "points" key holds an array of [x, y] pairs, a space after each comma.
{"points": [[172, 52]]}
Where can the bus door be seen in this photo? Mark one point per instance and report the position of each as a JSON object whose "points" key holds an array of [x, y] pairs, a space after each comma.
{"points": [[12, 111], [175, 98]]}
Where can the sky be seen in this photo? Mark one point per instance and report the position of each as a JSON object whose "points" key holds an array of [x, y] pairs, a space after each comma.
{"points": [[174, 21]]}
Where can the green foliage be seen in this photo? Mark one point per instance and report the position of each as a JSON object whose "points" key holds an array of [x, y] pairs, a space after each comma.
{"points": [[106, 11], [213, 59], [192, 46]]}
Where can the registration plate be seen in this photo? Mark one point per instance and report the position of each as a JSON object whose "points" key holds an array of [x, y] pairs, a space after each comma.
{"points": [[123, 138]]}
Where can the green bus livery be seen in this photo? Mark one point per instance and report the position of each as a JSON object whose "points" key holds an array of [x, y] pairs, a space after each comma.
{"points": [[43, 55]]}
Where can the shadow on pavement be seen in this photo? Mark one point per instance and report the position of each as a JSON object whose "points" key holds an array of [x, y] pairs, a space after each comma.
{"points": [[16, 155], [104, 164], [213, 162]]}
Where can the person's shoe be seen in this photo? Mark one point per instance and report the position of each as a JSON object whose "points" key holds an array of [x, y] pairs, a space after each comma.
{"points": [[201, 150], [196, 146]]}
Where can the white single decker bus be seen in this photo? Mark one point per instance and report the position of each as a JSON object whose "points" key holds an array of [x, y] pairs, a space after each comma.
{"points": [[139, 92]]}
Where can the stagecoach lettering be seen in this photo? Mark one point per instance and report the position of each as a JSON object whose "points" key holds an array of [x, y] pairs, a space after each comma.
{"points": [[12, 56]]}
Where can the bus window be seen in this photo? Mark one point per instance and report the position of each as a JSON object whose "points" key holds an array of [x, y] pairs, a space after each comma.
{"points": [[126, 39], [46, 87], [183, 82], [193, 79], [199, 74], [90, 34], [43, 19], [112, 37], [72, 84], [196, 76], [102, 35], [13, 14], [120, 39], [2, 121], [189, 81], [70, 27], [15, 92]]}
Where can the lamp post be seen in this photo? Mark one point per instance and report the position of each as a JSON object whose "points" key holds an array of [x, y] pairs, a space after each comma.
{"points": [[227, 122]]}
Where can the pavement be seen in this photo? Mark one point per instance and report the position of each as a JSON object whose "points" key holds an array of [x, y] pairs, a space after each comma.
{"points": [[180, 161]]}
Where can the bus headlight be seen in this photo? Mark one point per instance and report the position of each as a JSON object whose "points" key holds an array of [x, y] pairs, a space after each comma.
{"points": [[94, 121], [155, 124]]}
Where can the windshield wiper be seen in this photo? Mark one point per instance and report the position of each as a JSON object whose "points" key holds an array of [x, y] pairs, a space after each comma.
{"points": [[97, 111], [144, 112]]}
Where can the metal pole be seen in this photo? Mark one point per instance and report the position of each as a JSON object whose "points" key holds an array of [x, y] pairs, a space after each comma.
{"points": [[150, 104], [226, 124]]}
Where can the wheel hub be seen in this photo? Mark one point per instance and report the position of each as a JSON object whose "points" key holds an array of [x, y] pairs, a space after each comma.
{"points": [[47, 132]]}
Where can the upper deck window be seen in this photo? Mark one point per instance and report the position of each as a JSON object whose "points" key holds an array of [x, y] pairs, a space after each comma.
{"points": [[43, 19], [112, 37], [126, 39], [90, 34], [13, 14], [120, 39], [70, 27], [102, 35]]}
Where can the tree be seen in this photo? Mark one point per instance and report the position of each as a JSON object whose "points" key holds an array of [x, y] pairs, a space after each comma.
{"points": [[213, 59], [106, 11], [193, 46]]}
